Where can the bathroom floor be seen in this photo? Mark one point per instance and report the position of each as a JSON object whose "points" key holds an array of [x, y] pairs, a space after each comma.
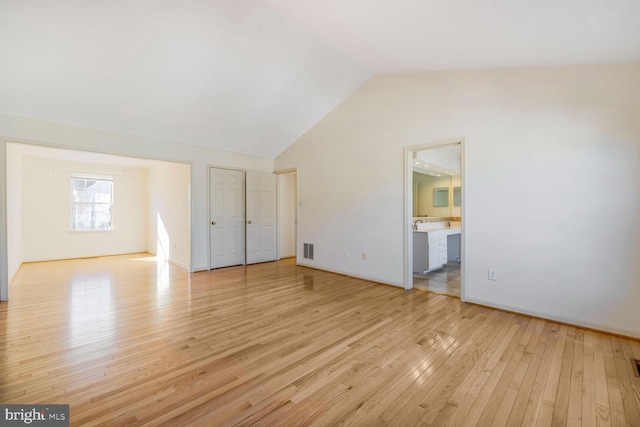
{"points": [[445, 280]]}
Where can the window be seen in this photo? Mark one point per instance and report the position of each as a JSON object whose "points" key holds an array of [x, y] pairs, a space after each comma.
{"points": [[457, 196], [91, 203], [440, 197]]}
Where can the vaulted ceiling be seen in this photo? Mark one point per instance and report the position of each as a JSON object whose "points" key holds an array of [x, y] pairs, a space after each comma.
{"points": [[252, 76]]}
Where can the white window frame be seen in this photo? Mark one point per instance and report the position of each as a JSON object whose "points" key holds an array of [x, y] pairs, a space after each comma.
{"points": [[73, 204]]}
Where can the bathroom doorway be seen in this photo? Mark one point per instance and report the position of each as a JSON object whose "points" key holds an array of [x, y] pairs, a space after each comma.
{"points": [[435, 218]]}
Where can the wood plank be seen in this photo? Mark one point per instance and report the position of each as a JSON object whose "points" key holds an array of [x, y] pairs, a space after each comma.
{"points": [[574, 415], [603, 411], [549, 395], [502, 415], [131, 340], [522, 402], [589, 383], [563, 390]]}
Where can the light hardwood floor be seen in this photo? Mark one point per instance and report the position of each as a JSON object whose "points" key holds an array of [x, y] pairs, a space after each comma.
{"points": [[127, 340]]}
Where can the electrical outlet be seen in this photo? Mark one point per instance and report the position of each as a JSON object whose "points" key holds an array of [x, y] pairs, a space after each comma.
{"points": [[493, 274], [364, 255], [345, 252]]}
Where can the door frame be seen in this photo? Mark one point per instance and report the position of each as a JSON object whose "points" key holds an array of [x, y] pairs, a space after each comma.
{"points": [[295, 208], [244, 191], [408, 209]]}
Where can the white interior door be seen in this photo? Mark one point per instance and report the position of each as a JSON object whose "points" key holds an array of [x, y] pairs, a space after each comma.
{"points": [[226, 214], [261, 217]]}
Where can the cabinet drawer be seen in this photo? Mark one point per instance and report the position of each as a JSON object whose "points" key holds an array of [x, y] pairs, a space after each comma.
{"points": [[443, 257], [434, 255], [436, 236]]}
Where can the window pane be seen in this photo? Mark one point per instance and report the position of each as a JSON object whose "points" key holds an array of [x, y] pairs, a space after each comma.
{"points": [[90, 216], [91, 190], [91, 208]]}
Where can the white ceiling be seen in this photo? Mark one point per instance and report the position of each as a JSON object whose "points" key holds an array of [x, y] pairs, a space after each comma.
{"points": [[444, 160], [252, 76], [417, 35]]}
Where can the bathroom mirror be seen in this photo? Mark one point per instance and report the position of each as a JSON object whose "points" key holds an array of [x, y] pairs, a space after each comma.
{"points": [[436, 182], [431, 195]]}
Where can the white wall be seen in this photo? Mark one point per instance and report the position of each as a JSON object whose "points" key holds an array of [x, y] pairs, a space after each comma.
{"points": [[14, 209], [286, 215], [46, 211], [168, 224], [523, 128], [26, 130]]}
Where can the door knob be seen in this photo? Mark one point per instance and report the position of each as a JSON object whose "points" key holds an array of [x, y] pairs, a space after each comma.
{"points": [[249, 222], [213, 223]]}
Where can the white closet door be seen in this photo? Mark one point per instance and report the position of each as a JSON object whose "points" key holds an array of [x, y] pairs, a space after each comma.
{"points": [[261, 217], [226, 212]]}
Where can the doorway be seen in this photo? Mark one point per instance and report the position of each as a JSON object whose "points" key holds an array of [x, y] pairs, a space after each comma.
{"points": [[434, 218], [287, 214]]}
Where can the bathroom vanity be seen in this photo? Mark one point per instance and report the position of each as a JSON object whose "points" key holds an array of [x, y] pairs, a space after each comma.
{"points": [[431, 248]]}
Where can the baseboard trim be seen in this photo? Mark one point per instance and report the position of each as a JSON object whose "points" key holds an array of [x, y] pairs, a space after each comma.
{"points": [[344, 273], [86, 257], [178, 264], [13, 275], [569, 321]]}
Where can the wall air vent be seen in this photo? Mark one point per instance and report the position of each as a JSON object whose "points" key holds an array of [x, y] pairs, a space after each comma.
{"points": [[308, 250]]}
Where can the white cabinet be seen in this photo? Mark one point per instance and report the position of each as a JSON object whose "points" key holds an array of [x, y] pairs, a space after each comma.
{"points": [[429, 250], [437, 249], [433, 256]]}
